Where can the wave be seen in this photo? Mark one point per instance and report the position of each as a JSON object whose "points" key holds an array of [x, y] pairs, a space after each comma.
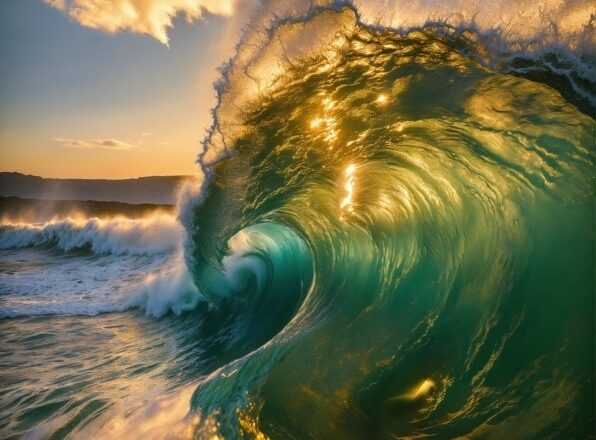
{"points": [[105, 265], [550, 42], [166, 290], [433, 208], [156, 284], [155, 234]]}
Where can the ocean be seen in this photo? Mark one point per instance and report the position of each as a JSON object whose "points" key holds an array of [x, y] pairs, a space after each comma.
{"points": [[391, 235]]}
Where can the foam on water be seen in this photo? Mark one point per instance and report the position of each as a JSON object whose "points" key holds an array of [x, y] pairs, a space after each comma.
{"points": [[155, 234], [91, 266]]}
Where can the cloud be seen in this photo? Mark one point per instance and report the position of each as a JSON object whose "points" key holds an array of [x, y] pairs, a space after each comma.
{"points": [[109, 144], [152, 17], [147, 134], [58, 4]]}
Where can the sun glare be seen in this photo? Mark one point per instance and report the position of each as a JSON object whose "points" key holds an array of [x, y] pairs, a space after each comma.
{"points": [[381, 99]]}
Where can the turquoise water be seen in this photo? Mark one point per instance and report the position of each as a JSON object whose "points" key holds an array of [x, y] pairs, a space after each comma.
{"points": [[393, 241], [447, 213]]}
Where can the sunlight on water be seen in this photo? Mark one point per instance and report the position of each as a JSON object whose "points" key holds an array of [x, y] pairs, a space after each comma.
{"points": [[452, 177], [381, 99], [422, 390], [349, 184]]}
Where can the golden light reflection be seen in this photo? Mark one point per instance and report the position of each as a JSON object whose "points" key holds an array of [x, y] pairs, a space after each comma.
{"points": [[425, 387], [326, 124], [250, 424], [328, 103], [381, 99], [315, 123], [422, 390], [399, 127], [350, 182]]}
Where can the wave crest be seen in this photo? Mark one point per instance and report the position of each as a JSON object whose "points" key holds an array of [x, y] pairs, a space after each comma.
{"points": [[156, 234]]}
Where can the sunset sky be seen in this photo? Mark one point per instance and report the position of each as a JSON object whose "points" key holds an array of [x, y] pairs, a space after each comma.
{"points": [[91, 103]]}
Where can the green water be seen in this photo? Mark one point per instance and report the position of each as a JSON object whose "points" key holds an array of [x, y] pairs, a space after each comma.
{"points": [[448, 215]]}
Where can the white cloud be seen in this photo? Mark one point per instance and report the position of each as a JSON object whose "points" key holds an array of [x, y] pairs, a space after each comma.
{"points": [[153, 17], [109, 144], [58, 4]]}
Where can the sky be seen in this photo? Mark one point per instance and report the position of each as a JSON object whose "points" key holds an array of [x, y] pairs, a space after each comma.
{"points": [[82, 100]]}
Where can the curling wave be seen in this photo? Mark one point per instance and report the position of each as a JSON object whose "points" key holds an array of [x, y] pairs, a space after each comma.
{"points": [[446, 209]]}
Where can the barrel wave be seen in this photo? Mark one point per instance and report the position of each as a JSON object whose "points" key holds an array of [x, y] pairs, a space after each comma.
{"points": [[404, 237]]}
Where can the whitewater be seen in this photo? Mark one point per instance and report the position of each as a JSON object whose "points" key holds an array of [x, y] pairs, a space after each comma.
{"points": [[391, 235]]}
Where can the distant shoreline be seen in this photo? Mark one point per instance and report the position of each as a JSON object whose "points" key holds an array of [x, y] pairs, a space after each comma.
{"points": [[15, 209], [106, 179], [159, 190]]}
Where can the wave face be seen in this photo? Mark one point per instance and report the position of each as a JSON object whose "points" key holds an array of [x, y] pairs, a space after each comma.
{"points": [[402, 238]]}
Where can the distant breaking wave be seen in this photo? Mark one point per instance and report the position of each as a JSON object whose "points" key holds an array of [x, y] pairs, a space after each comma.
{"points": [[156, 234]]}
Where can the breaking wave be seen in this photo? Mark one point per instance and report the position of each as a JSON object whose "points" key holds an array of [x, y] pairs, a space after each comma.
{"points": [[155, 234], [434, 191]]}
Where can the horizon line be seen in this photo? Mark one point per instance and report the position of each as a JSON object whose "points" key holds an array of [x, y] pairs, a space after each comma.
{"points": [[97, 178]]}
